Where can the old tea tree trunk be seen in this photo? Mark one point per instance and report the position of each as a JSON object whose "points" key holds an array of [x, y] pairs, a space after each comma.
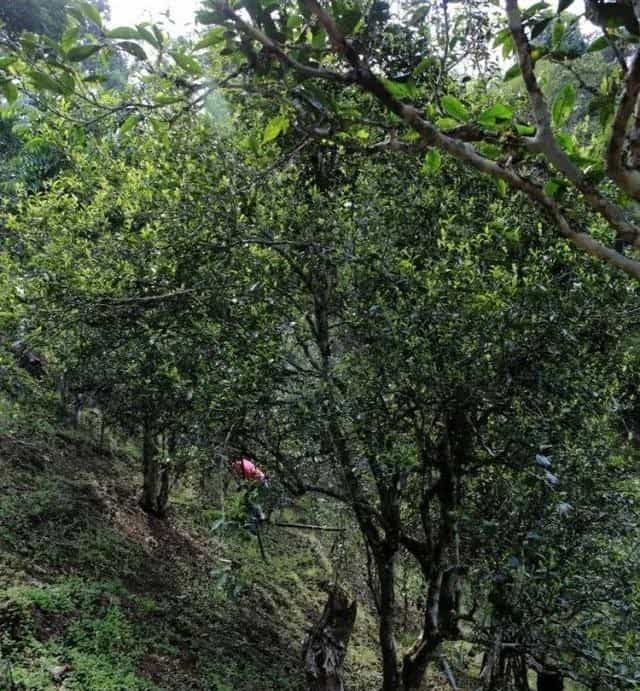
{"points": [[155, 483], [326, 645]]}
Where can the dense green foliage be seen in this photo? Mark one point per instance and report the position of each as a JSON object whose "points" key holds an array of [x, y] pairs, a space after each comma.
{"points": [[231, 245]]}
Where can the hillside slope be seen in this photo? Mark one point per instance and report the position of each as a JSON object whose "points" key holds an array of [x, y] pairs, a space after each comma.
{"points": [[96, 595]]}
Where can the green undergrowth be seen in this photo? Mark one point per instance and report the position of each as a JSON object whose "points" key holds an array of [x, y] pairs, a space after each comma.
{"points": [[95, 595]]}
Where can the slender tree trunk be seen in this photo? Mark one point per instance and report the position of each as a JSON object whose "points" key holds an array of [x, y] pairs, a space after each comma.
{"points": [[326, 646], [386, 575], [155, 483]]}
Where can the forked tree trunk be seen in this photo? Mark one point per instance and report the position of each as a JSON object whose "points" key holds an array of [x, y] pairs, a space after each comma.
{"points": [[155, 482], [326, 646]]}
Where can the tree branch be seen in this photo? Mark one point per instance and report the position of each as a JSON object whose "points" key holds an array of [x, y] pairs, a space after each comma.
{"points": [[545, 142], [432, 136], [628, 179]]}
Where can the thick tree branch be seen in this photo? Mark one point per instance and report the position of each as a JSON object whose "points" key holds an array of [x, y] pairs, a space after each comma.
{"points": [[429, 133], [545, 142], [628, 179]]}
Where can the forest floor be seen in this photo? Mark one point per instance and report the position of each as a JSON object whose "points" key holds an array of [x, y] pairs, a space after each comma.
{"points": [[95, 595]]}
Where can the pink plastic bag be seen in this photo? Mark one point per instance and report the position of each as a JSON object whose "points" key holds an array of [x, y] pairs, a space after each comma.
{"points": [[245, 469]]}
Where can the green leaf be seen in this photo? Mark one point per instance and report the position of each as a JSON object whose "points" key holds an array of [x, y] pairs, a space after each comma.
{"points": [[133, 49], [525, 130], [401, 90], [538, 52], [453, 107], [147, 36], [9, 90], [501, 186], [166, 99], [161, 37], [497, 114], [211, 38], [563, 4], [91, 12], [187, 63], [432, 162], [44, 82], [599, 44], [274, 127], [69, 37], [446, 123], [551, 188], [129, 123], [79, 53], [557, 33], [127, 33], [319, 38], [513, 72], [563, 104]]}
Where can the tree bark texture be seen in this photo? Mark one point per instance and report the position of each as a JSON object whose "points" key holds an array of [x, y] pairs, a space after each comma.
{"points": [[326, 645], [155, 484]]}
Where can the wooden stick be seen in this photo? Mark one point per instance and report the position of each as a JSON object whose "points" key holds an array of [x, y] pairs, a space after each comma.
{"points": [[306, 526]]}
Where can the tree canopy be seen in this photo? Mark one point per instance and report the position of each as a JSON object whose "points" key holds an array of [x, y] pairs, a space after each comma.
{"points": [[273, 239]]}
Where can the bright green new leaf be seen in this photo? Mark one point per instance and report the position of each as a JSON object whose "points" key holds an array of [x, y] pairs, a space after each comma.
{"points": [[497, 114], [446, 123], [127, 33], [129, 123], [563, 104], [501, 186], [133, 49], [79, 53], [453, 107], [274, 127], [525, 130], [211, 38], [187, 63], [9, 90], [432, 162], [401, 90]]}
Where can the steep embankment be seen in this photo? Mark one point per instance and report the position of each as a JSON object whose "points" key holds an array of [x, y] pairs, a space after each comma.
{"points": [[96, 595]]}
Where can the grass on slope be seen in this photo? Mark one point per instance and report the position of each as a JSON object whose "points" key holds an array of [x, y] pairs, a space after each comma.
{"points": [[97, 596]]}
